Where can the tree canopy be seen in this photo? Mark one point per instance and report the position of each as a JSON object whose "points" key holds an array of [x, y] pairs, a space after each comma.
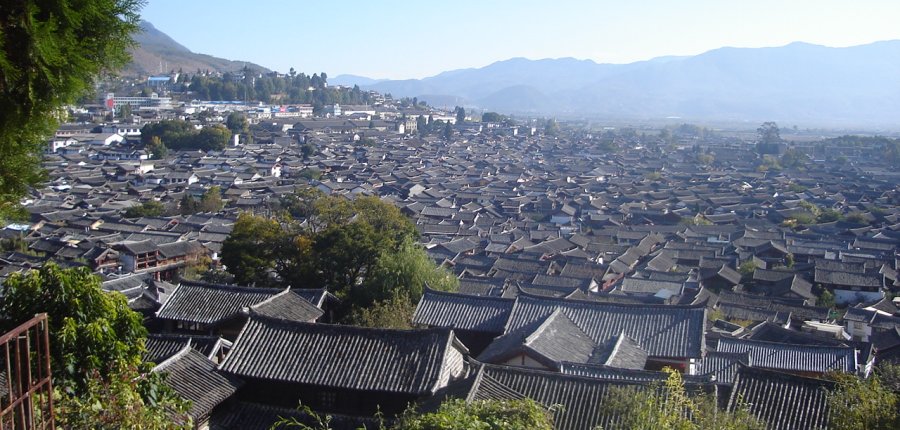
{"points": [[50, 54], [458, 414], [181, 135], [96, 344], [90, 329], [768, 138], [362, 250], [250, 85], [668, 406], [870, 404], [150, 208]]}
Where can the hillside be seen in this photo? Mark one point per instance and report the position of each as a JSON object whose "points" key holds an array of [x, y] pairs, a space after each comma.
{"points": [[797, 82], [158, 53]]}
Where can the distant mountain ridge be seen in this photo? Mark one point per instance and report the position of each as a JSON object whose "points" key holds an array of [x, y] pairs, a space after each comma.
{"points": [[796, 82], [158, 53]]}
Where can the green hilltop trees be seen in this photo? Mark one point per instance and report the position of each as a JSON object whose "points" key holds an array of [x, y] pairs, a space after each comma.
{"points": [[181, 135]]}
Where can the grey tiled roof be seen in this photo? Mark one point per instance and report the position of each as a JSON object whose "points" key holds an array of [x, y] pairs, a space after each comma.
{"points": [[194, 377], [463, 311], [550, 341], [770, 332], [481, 287], [162, 346], [622, 352], [845, 279], [316, 296], [722, 367], [664, 331], [180, 248], [559, 339], [793, 357], [404, 361], [782, 401], [648, 286], [208, 304], [287, 305], [611, 373]]}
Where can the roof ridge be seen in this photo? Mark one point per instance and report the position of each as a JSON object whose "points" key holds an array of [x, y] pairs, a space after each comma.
{"points": [[234, 288], [269, 300], [607, 304], [782, 344], [321, 326], [429, 290], [543, 326], [619, 339], [181, 353]]}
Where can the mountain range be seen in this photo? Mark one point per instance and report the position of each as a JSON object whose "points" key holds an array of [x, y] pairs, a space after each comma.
{"points": [[799, 82], [796, 83], [157, 53]]}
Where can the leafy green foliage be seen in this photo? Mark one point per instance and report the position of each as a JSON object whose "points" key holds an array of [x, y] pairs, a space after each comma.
{"points": [[458, 414], [460, 114], [128, 397], [212, 200], [826, 299], [310, 173], [668, 406], [50, 54], [408, 266], [492, 117], [447, 133], [695, 220], [91, 330], [769, 138], [395, 312], [829, 215], [793, 158], [653, 176], [863, 404], [96, 343], [293, 88], [188, 204], [237, 123], [181, 135], [706, 159], [157, 149], [551, 128], [747, 268], [795, 187], [150, 208], [857, 217], [248, 252], [307, 150], [362, 250]]}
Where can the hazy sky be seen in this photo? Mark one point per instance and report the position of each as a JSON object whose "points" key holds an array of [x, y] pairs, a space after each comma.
{"points": [[414, 39]]}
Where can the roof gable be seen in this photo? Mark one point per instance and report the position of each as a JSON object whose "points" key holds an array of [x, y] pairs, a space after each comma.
{"points": [[664, 331]]}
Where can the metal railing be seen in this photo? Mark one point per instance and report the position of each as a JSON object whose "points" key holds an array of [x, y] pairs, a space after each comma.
{"points": [[26, 391]]}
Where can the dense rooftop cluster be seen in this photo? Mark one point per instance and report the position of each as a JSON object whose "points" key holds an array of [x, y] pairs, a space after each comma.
{"points": [[587, 259]]}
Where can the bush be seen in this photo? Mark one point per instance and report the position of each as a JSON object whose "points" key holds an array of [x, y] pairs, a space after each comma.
{"points": [[458, 414]]}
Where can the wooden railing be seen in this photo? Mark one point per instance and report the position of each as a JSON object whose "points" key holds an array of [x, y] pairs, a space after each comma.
{"points": [[26, 400]]}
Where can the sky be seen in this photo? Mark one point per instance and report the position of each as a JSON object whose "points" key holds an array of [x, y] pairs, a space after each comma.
{"points": [[400, 39]]}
